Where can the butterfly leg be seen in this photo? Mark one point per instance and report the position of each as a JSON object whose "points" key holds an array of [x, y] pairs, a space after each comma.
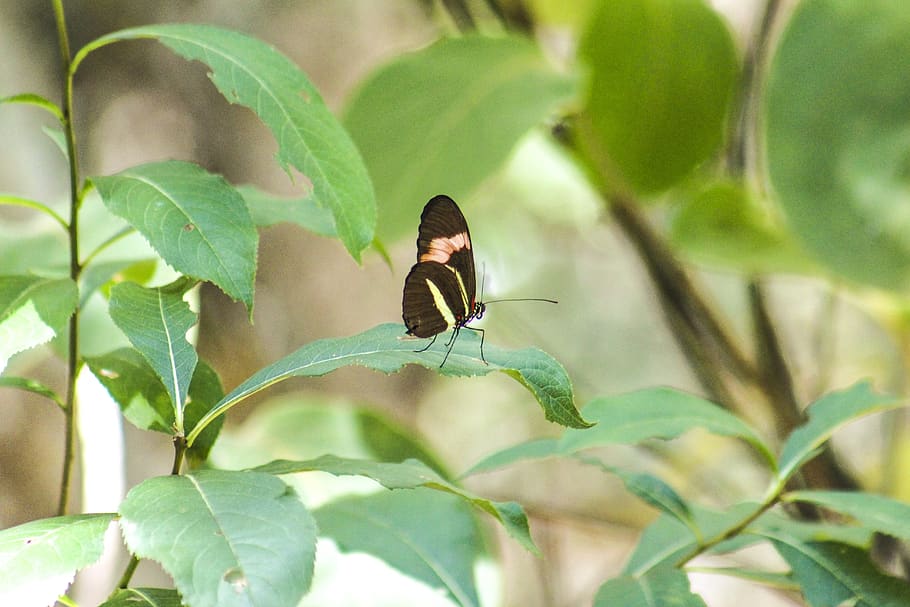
{"points": [[427, 347], [450, 344], [482, 334]]}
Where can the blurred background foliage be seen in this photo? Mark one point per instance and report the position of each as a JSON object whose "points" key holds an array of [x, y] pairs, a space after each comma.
{"points": [[831, 243]]}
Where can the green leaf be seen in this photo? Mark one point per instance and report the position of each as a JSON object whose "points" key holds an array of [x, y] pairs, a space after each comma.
{"points": [[781, 581], [657, 413], [39, 559], [37, 101], [838, 135], [97, 275], [195, 220], [18, 201], [722, 225], [384, 348], [33, 310], [662, 75], [307, 425], [883, 514], [267, 209], [825, 416], [226, 538], [144, 597], [657, 588], [57, 135], [31, 385], [409, 475], [830, 574], [156, 322], [254, 74], [444, 118], [145, 402], [632, 418], [427, 535], [666, 540]]}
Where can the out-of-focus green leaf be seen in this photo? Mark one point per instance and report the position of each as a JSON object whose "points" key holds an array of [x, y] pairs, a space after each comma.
{"points": [[427, 535], [37, 101], [657, 588], [39, 559], [104, 274], [830, 574], [31, 385], [410, 474], [384, 348], [254, 74], [267, 209], [33, 310], [877, 512], [722, 226], [662, 74], [631, 418], [825, 416], [838, 135], [226, 538], [156, 322], [442, 119], [195, 220]]}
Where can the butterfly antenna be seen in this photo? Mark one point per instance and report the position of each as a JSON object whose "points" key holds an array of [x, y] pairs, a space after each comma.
{"points": [[552, 301]]}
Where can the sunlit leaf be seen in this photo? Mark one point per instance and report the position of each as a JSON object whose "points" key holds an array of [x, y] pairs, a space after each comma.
{"points": [[409, 475], [39, 559], [195, 220], [226, 538], [251, 73], [33, 310], [383, 348]]}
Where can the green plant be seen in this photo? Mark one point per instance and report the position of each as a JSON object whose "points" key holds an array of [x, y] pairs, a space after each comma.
{"points": [[662, 111]]}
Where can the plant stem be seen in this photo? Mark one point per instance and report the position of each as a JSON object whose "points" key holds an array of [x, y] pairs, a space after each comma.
{"points": [[128, 572], [72, 362], [728, 533]]}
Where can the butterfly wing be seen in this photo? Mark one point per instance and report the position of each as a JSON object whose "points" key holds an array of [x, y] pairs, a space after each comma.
{"points": [[434, 299], [444, 237]]}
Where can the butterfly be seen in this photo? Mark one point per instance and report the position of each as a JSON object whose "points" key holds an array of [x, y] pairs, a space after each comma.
{"points": [[440, 290]]}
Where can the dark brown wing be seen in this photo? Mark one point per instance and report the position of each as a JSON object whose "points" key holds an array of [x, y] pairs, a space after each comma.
{"points": [[427, 313], [444, 237]]}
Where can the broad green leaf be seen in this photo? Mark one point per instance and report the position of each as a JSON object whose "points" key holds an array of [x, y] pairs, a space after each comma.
{"points": [[410, 474], [33, 310], [195, 220], [384, 348], [442, 119], [39, 559], [31, 385], [145, 402], [144, 597], [226, 538], [662, 75], [722, 225], [883, 514], [427, 535], [629, 419], [830, 574], [838, 135], [826, 415], [156, 322], [656, 588], [251, 73], [267, 209]]}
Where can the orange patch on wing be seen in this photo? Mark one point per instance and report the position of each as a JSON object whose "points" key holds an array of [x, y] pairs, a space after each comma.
{"points": [[441, 249]]}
